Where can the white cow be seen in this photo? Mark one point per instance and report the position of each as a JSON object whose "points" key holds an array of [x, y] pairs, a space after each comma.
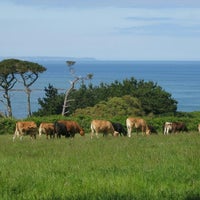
{"points": [[167, 128], [139, 124]]}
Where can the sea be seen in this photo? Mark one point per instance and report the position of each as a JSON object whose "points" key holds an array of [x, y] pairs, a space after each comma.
{"points": [[179, 78]]}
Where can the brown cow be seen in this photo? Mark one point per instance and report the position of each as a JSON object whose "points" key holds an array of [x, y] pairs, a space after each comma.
{"points": [[25, 128], [138, 124], [72, 127], [152, 130], [179, 127], [47, 129], [102, 126]]}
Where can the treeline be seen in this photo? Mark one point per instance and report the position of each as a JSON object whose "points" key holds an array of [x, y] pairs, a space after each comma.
{"points": [[129, 97]]}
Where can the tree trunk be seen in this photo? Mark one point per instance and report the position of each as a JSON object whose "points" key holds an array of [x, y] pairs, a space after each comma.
{"points": [[67, 95], [28, 92], [9, 107]]}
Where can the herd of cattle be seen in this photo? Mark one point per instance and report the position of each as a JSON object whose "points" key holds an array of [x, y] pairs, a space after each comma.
{"points": [[69, 128]]}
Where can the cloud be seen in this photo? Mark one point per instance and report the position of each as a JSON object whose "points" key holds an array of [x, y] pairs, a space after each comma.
{"points": [[107, 3], [167, 22]]}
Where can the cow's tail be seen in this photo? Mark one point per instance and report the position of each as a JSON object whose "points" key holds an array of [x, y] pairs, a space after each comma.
{"points": [[40, 130]]}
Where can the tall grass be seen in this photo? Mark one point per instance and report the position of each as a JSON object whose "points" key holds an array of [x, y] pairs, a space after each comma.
{"points": [[155, 167]]}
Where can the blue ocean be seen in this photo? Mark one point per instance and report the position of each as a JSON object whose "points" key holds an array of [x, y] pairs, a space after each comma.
{"points": [[180, 78]]}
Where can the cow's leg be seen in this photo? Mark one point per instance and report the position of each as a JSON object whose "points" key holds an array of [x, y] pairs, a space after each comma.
{"points": [[15, 135], [142, 131], [129, 130], [92, 132], [97, 134], [21, 136], [164, 132]]}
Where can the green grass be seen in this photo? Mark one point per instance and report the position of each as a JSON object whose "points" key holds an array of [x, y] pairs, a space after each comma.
{"points": [[155, 167]]}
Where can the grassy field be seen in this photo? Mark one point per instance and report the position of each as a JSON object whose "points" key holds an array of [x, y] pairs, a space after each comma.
{"points": [[155, 167]]}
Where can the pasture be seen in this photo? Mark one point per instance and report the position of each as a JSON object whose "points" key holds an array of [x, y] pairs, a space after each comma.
{"points": [[140, 167]]}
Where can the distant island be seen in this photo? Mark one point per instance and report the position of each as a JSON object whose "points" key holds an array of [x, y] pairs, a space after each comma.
{"points": [[53, 58]]}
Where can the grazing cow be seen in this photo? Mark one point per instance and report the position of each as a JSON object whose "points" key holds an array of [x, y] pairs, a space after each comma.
{"points": [[199, 128], [138, 124], [167, 128], [71, 128], [119, 128], [25, 128], [151, 130], [60, 129], [102, 126], [47, 129], [179, 127]]}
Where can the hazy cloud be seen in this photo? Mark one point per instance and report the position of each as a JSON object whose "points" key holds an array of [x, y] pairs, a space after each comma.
{"points": [[168, 22], [107, 3]]}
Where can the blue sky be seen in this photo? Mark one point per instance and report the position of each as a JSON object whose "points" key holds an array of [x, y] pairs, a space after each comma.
{"points": [[105, 30]]}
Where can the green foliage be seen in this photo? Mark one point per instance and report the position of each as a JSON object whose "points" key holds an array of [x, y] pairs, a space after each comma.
{"points": [[152, 98], [24, 67], [7, 126], [51, 104], [156, 167], [7, 73], [116, 106]]}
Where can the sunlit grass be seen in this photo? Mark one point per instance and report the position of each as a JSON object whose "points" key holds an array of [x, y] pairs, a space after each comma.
{"points": [[155, 167]]}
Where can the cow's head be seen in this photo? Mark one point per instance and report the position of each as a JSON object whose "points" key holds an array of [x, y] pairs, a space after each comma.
{"points": [[148, 130], [116, 133], [82, 133]]}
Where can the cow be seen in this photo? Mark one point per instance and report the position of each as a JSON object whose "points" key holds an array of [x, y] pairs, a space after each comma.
{"points": [[102, 126], [70, 128], [167, 128], [47, 129], [151, 130], [119, 128], [179, 127], [25, 128], [138, 124], [199, 128], [60, 129]]}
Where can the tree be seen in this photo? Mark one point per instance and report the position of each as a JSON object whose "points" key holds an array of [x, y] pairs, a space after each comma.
{"points": [[116, 106], [153, 99], [76, 79], [8, 80], [52, 102], [29, 73]]}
